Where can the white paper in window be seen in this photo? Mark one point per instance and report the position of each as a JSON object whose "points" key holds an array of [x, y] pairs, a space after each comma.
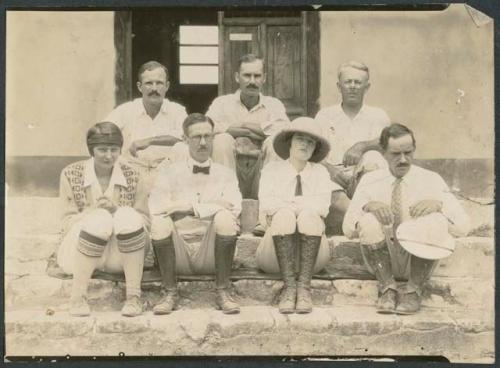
{"points": [[190, 74], [199, 54], [199, 35]]}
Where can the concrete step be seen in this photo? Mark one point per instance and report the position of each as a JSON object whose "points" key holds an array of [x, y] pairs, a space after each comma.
{"points": [[459, 335]]}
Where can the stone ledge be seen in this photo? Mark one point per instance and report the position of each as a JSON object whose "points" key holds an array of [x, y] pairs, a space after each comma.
{"points": [[259, 330]]}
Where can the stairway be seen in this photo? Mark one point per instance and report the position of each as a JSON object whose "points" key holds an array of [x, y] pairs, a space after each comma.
{"points": [[456, 321]]}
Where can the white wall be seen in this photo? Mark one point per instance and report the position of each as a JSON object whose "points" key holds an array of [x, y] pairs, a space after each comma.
{"points": [[431, 70], [60, 79]]}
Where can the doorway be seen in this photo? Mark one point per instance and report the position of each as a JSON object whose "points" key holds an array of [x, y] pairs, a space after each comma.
{"points": [[201, 51]]}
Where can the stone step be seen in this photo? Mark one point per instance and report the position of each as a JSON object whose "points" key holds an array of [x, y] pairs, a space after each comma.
{"points": [[43, 292], [459, 335]]}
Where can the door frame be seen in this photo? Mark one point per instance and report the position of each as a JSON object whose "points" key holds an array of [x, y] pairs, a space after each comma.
{"points": [[310, 32]]}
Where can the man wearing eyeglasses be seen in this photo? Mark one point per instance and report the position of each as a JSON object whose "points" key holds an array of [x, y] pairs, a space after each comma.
{"points": [[195, 204]]}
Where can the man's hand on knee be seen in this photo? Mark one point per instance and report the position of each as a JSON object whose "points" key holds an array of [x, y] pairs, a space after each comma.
{"points": [[381, 211], [353, 155]]}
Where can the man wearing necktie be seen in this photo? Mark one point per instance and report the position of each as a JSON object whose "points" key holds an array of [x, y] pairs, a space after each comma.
{"points": [[195, 205], [294, 198], [388, 197]]}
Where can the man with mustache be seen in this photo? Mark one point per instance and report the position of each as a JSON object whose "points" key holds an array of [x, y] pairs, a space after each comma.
{"points": [[150, 124], [352, 128], [195, 205], [247, 120], [388, 197]]}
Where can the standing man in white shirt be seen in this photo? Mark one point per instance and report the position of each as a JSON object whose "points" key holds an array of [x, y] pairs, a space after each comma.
{"points": [[246, 121], [150, 124], [386, 198], [294, 197], [195, 205]]}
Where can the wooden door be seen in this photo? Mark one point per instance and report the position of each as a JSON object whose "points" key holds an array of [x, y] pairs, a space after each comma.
{"points": [[287, 45]]}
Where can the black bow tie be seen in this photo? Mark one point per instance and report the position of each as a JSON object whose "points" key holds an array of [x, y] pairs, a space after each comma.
{"points": [[201, 169]]}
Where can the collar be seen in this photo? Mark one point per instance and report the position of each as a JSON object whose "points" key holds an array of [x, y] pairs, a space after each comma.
{"points": [[192, 163], [89, 176], [261, 102], [142, 109], [360, 112], [405, 178], [294, 171]]}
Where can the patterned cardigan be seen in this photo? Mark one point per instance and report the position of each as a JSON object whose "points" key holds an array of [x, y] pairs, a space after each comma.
{"points": [[75, 197]]}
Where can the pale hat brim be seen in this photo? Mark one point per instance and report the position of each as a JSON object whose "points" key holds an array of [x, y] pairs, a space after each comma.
{"points": [[433, 251], [281, 142]]}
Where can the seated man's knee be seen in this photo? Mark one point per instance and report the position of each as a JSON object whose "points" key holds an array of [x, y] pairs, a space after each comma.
{"points": [[161, 227], [98, 223], [369, 229], [310, 223], [127, 220], [225, 223], [224, 139], [372, 160], [283, 222]]}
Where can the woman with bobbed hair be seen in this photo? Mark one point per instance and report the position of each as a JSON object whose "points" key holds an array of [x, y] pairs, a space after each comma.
{"points": [[105, 220]]}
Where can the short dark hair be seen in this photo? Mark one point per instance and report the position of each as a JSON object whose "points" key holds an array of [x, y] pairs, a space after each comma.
{"points": [[151, 65], [395, 130], [104, 133], [249, 58], [195, 118]]}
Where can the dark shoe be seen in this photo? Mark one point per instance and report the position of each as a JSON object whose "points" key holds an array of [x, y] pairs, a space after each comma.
{"points": [[132, 307], [258, 230], [386, 303], [225, 247], [284, 247], [167, 303], [225, 302], [309, 247], [409, 303]]}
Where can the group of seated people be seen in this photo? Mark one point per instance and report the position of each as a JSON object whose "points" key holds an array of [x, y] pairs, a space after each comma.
{"points": [[166, 183]]}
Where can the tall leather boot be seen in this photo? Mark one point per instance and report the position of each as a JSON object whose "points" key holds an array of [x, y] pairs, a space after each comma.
{"points": [[225, 246], [165, 255], [378, 258], [309, 247], [411, 298], [284, 247]]}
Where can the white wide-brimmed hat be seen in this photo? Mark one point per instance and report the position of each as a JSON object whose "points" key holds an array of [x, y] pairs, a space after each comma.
{"points": [[426, 237], [305, 125]]}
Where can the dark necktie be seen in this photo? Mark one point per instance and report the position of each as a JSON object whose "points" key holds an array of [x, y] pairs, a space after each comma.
{"points": [[298, 187], [201, 169]]}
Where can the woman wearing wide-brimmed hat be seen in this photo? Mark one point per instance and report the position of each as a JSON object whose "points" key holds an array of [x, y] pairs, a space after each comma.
{"points": [[294, 198], [105, 220]]}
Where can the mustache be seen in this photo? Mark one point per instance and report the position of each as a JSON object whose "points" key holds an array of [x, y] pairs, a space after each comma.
{"points": [[252, 86], [153, 93]]}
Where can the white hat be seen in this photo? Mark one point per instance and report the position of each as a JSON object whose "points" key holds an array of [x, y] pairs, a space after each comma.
{"points": [[305, 125], [426, 237]]}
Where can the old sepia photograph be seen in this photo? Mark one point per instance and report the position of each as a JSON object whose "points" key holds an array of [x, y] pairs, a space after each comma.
{"points": [[305, 182]]}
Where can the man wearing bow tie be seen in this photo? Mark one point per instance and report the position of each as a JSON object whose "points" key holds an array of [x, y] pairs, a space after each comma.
{"points": [[195, 205]]}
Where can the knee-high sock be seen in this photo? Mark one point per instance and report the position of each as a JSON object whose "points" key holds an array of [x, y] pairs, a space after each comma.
{"points": [[85, 266]]}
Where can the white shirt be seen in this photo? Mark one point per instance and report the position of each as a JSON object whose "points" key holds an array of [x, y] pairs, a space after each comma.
{"points": [[343, 133], [278, 182], [90, 179], [177, 183], [228, 110], [417, 185], [132, 118]]}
